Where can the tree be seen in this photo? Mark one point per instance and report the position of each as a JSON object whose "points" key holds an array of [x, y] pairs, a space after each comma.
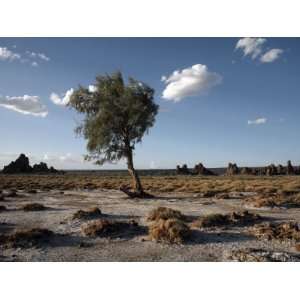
{"points": [[116, 116]]}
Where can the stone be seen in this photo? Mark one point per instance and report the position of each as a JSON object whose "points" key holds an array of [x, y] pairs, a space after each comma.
{"points": [[199, 169], [232, 169]]}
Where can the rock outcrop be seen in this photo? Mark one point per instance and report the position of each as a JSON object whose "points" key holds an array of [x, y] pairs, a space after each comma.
{"points": [[232, 169], [199, 169], [21, 165], [289, 168], [182, 170], [271, 170]]}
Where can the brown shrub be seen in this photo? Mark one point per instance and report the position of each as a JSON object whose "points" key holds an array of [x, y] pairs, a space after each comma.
{"points": [[275, 200], [33, 207], [165, 213], [170, 231], [234, 218], [91, 213], [26, 238], [282, 231], [106, 228]]}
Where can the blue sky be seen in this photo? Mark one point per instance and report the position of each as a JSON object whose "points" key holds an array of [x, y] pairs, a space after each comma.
{"points": [[239, 103]]}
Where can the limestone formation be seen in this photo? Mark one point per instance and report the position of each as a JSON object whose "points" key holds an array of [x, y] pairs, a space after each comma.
{"points": [[182, 170], [232, 169], [199, 169], [289, 168], [271, 170], [21, 165], [246, 171]]}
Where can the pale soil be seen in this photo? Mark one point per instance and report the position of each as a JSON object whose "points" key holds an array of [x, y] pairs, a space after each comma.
{"points": [[205, 245]]}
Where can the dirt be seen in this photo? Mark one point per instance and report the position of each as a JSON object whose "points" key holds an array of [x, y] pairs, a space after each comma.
{"points": [[69, 244]]}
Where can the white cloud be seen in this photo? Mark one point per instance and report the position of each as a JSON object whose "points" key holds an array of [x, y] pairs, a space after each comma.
{"points": [[38, 55], [92, 88], [251, 46], [34, 64], [64, 99], [189, 82], [27, 105], [258, 121], [271, 55], [6, 54]]}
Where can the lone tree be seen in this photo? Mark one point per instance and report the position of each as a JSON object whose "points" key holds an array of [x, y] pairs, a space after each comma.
{"points": [[116, 116]]}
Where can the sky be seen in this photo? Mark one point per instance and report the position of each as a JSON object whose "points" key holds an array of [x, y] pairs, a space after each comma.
{"points": [[221, 99]]}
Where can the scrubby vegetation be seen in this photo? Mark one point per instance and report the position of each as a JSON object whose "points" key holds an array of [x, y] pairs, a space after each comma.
{"points": [[165, 213], [232, 219], [282, 231], [156, 184], [169, 230], [85, 214], [107, 228], [33, 207], [26, 238]]}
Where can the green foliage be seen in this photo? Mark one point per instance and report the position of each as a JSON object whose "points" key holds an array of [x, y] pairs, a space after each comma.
{"points": [[116, 116]]}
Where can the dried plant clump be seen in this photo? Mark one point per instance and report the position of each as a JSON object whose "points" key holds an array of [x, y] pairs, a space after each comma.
{"points": [[26, 238], [261, 255], [2, 208], [170, 231], [85, 214], [107, 228], [34, 207], [282, 231], [232, 219], [165, 213], [275, 200]]}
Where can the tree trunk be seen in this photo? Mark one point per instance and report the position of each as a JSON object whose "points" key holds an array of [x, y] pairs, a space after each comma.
{"points": [[136, 183]]}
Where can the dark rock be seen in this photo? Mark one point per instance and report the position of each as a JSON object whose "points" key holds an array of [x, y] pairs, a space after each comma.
{"points": [[182, 170], [289, 168], [232, 169], [246, 171], [201, 170], [21, 165], [271, 170]]}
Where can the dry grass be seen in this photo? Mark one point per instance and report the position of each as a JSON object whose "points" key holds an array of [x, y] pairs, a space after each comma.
{"points": [[85, 214], [282, 231], [26, 238], [283, 199], [170, 231], [232, 219], [193, 184], [107, 228], [33, 207], [165, 213]]}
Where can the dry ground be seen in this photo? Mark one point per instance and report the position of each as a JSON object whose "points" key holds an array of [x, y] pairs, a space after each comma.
{"points": [[63, 195]]}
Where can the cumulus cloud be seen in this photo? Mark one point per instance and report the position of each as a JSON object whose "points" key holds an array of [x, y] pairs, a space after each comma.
{"points": [[189, 82], [34, 64], [41, 56], [258, 121], [251, 46], [63, 99], [27, 105], [6, 54], [271, 55], [92, 88]]}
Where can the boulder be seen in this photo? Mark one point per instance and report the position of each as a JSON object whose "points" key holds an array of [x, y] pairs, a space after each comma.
{"points": [[271, 170], [247, 171]]}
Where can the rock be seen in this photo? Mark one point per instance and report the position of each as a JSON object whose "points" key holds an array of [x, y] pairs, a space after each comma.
{"points": [[280, 170], [289, 168], [271, 170], [199, 169], [182, 170], [21, 165], [246, 171], [232, 169]]}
